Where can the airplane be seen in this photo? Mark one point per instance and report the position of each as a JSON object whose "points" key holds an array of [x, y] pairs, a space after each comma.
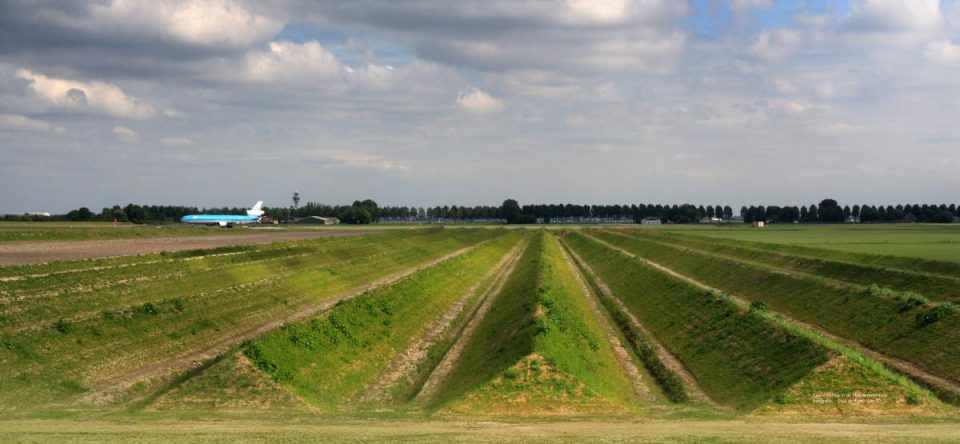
{"points": [[226, 220]]}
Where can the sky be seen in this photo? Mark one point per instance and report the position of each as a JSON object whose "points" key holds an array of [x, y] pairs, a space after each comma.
{"points": [[423, 102]]}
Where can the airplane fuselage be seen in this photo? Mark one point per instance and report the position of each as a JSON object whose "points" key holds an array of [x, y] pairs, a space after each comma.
{"points": [[223, 220]]}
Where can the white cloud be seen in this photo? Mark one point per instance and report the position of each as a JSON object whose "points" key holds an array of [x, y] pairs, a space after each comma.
{"points": [[562, 35], [176, 141], [742, 5], [479, 101], [897, 15], [199, 22], [20, 122], [541, 83], [776, 45], [943, 52], [354, 159], [289, 61], [600, 11], [839, 128], [126, 134], [97, 96]]}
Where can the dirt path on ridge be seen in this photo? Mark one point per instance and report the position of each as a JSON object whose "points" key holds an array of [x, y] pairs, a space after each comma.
{"points": [[450, 359], [108, 390], [406, 362], [910, 369]]}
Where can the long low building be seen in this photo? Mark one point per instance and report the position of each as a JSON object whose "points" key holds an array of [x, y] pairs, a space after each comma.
{"points": [[317, 220]]}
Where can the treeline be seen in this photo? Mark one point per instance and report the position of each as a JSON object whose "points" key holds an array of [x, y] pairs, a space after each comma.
{"points": [[130, 213], [368, 211], [829, 211]]}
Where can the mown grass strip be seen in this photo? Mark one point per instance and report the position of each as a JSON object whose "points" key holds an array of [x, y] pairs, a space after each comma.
{"points": [[741, 359], [331, 359], [926, 335]]}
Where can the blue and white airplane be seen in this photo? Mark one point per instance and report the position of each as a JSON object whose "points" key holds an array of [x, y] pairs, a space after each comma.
{"points": [[226, 220]]}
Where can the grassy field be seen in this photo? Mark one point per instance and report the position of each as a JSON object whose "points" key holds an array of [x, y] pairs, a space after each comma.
{"points": [[63, 342], [329, 361], [338, 339], [923, 333], [742, 358], [904, 278], [922, 241]]}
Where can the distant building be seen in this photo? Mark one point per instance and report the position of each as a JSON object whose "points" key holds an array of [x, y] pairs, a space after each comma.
{"points": [[711, 220], [317, 220], [650, 221], [759, 224], [39, 213]]}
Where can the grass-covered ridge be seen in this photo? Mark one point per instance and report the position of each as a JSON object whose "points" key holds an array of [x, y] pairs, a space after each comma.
{"points": [[539, 350], [924, 334], [670, 383], [330, 360], [112, 328], [740, 359]]}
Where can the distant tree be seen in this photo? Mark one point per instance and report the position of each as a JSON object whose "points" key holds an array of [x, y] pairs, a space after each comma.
{"points": [[830, 211], [370, 207], [296, 199], [813, 214], [80, 214], [510, 210], [942, 217], [727, 212], [135, 213], [868, 213], [355, 215]]}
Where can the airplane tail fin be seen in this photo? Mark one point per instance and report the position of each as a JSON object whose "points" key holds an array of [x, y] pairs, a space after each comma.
{"points": [[257, 209]]}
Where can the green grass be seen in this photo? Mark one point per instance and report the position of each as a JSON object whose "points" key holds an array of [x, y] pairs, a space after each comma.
{"points": [[539, 349], [928, 335], [936, 287], [881, 244], [740, 359], [113, 331], [330, 360]]}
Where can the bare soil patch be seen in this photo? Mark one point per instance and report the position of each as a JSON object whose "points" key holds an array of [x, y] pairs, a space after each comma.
{"points": [[21, 253]]}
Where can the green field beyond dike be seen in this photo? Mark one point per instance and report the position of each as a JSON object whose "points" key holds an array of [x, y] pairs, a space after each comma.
{"points": [[678, 334]]}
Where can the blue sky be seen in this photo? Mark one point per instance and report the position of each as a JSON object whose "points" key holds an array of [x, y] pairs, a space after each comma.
{"points": [[225, 102]]}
